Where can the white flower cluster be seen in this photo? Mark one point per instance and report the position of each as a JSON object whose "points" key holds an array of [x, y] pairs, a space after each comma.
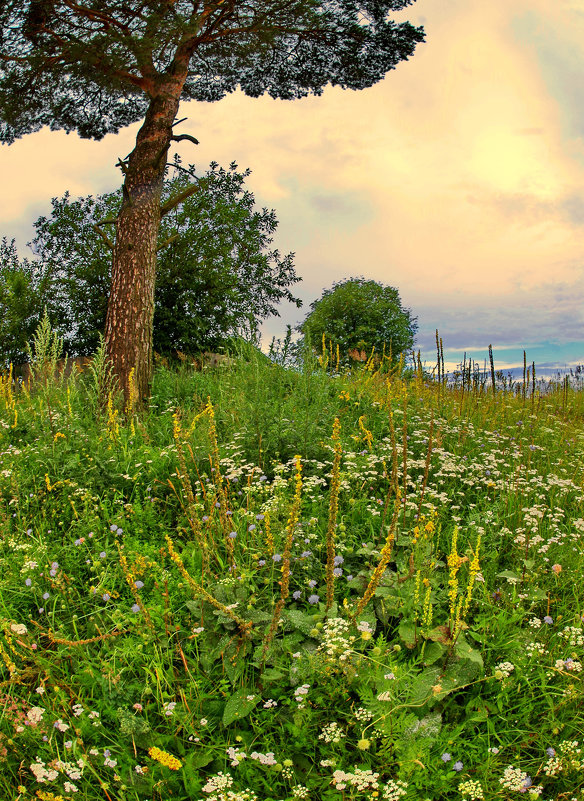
{"points": [[35, 714], [517, 780], [265, 759], [573, 635], [236, 755], [300, 693], [363, 714], [569, 664], [221, 781], [336, 644], [300, 791], [41, 773], [568, 759], [331, 733], [471, 789], [360, 779], [535, 648], [394, 790], [503, 670], [535, 623]]}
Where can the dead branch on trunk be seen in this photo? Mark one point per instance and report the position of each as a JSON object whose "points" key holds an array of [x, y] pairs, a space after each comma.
{"points": [[172, 202], [180, 137], [103, 235], [167, 242]]}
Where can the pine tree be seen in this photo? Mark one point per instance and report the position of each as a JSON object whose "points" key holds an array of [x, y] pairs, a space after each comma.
{"points": [[95, 66]]}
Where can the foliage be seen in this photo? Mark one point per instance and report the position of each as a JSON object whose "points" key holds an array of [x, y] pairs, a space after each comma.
{"points": [[357, 314], [95, 70], [144, 558], [19, 304], [54, 55], [218, 276]]}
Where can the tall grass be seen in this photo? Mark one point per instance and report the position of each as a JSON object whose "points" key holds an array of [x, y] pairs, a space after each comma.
{"points": [[276, 584]]}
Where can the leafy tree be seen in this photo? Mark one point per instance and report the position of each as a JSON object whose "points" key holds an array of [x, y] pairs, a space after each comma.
{"points": [[20, 309], [99, 65], [359, 314], [216, 274]]}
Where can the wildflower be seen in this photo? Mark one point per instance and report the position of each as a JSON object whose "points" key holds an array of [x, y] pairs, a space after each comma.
{"points": [[28, 582], [251, 528], [363, 744], [18, 628], [138, 707], [106, 596], [446, 757], [338, 560], [138, 584], [166, 759], [551, 752], [169, 708], [548, 620], [46, 596], [458, 766], [312, 583], [277, 557], [296, 595], [102, 555], [471, 789], [313, 599], [135, 608], [232, 535], [262, 562], [337, 572]]}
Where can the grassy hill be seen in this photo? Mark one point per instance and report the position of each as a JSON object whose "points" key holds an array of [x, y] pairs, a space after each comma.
{"points": [[275, 584]]}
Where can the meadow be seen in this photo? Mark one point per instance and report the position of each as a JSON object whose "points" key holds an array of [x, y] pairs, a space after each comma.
{"points": [[275, 584]]}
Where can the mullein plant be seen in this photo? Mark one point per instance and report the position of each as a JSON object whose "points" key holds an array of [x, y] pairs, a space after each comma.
{"points": [[190, 509], [291, 526], [333, 512]]}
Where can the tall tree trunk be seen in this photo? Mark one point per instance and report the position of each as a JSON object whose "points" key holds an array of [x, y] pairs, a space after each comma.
{"points": [[130, 313]]}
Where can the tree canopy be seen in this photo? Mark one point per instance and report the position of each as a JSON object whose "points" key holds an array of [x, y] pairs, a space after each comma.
{"points": [[99, 65], [94, 66], [359, 315], [217, 270]]}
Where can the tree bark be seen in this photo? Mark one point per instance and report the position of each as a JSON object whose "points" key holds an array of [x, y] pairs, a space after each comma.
{"points": [[130, 313]]}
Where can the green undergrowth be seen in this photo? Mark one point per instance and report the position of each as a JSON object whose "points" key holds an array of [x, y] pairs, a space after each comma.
{"points": [[275, 584]]}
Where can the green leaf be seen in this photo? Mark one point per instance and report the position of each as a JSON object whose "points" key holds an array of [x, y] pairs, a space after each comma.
{"points": [[407, 632], [433, 652], [465, 651], [299, 620], [239, 705]]}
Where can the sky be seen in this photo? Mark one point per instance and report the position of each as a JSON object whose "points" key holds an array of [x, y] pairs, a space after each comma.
{"points": [[458, 179]]}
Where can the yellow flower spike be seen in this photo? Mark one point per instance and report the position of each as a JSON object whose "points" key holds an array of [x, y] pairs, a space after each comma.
{"points": [[113, 427], [454, 562], [285, 582], [166, 759], [48, 483], [367, 435], [475, 568], [385, 556], [417, 593], [132, 393], [427, 608], [268, 534], [333, 511]]}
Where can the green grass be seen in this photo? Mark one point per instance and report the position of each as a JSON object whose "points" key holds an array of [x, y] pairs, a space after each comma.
{"points": [[455, 680]]}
